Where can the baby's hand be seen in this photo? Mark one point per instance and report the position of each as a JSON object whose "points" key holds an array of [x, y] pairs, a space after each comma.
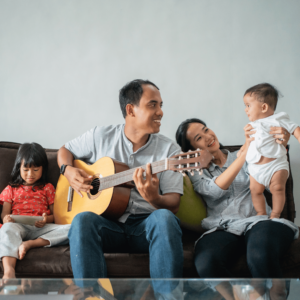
{"points": [[40, 224], [8, 219]]}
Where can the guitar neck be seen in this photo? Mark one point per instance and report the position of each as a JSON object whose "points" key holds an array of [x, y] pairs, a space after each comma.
{"points": [[126, 176]]}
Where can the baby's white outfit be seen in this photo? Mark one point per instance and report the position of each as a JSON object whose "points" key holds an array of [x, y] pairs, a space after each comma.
{"points": [[265, 145]]}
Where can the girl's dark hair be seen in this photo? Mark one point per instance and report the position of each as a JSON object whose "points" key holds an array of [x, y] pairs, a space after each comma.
{"points": [[32, 154], [181, 138]]}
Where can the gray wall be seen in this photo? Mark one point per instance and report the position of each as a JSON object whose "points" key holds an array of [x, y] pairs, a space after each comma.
{"points": [[62, 63]]}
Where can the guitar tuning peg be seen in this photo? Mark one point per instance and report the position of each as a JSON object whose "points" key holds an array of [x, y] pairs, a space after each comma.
{"points": [[200, 172]]}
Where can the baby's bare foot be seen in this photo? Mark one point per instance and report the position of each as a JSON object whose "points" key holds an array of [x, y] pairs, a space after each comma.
{"points": [[10, 273], [274, 215], [25, 246]]}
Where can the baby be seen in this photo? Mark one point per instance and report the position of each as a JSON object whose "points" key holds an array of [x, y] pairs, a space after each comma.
{"points": [[267, 160]]}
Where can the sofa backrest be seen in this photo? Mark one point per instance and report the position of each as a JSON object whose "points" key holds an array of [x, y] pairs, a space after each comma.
{"points": [[8, 153]]}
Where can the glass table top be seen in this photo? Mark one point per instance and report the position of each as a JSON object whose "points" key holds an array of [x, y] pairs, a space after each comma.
{"points": [[147, 289]]}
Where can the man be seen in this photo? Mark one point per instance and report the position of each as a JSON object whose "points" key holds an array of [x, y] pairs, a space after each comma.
{"points": [[149, 223]]}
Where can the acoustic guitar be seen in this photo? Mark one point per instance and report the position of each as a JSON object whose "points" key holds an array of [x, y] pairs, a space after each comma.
{"points": [[112, 181]]}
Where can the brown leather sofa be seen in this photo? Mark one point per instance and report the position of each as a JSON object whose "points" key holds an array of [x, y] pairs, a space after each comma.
{"points": [[55, 262]]}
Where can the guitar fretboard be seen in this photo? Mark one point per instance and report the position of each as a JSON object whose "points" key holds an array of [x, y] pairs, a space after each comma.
{"points": [[126, 176]]}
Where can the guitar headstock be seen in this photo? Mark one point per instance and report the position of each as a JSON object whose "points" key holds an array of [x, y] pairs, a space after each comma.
{"points": [[190, 161]]}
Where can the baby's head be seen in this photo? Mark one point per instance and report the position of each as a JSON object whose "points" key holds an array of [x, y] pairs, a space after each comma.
{"points": [[260, 101]]}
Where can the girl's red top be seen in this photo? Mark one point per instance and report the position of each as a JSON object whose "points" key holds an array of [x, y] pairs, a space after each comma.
{"points": [[29, 202]]}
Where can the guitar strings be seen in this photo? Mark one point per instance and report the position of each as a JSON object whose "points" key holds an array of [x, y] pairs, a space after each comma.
{"points": [[125, 176]]}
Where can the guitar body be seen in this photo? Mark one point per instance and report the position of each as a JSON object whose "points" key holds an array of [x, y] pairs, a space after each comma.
{"points": [[111, 202], [111, 182]]}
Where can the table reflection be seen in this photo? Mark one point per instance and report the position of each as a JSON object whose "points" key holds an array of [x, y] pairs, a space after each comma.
{"points": [[142, 289]]}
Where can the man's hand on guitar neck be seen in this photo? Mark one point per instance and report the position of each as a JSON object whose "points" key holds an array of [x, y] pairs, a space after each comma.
{"points": [[148, 189], [78, 180]]}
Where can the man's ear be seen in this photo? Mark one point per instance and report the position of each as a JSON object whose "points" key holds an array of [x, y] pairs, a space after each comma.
{"points": [[129, 110], [264, 107]]}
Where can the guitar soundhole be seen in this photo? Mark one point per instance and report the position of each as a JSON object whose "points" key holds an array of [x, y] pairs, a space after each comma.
{"points": [[96, 184]]}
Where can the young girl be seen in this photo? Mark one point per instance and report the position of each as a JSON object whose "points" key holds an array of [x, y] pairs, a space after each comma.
{"points": [[28, 194]]}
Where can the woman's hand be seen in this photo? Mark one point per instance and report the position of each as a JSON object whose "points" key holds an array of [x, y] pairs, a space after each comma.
{"points": [[8, 219], [226, 178], [248, 131], [281, 135], [40, 224]]}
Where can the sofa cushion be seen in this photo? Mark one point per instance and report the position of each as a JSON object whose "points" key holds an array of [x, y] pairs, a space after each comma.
{"points": [[192, 209], [55, 262]]}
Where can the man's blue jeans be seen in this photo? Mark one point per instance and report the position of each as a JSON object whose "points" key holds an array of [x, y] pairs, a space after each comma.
{"points": [[158, 233]]}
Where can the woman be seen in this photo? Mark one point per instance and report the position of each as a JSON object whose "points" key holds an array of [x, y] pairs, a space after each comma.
{"points": [[232, 223]]}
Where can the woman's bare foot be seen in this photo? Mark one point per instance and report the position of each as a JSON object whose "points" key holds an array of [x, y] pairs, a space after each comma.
{"points": [[24, 247]]}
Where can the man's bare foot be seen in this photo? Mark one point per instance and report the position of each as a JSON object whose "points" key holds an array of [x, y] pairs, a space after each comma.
{"points": [[10, 273], [24, 247]]}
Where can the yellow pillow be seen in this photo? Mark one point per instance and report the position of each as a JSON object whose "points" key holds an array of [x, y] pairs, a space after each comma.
{"points": [[192, 209]]}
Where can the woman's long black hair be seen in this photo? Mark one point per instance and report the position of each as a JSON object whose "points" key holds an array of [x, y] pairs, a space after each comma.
{"points": [[32, 154], [181, 138]]}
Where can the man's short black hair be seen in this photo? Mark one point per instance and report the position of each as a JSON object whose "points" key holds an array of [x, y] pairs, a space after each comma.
{"points": [[131, 93], [265, 93]]}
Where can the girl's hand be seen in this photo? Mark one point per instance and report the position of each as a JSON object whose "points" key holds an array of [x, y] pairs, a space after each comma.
{"points": [[281, 135], [8, 219], [40, 224]]}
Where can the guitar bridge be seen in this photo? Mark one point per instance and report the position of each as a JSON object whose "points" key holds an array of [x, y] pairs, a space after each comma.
{"points": [[70, 198]]}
